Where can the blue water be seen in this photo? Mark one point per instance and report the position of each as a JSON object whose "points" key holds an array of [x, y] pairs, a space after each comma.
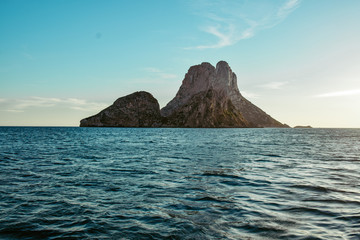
{"points": [[124, 183]]}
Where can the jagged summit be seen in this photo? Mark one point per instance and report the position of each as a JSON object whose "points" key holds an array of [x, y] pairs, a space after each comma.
{"points": [[208, 97], [201, 78]]}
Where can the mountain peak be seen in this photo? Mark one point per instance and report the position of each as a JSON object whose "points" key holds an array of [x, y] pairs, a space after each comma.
{"points": [[201, 78], [222, 65], [225, 78]]}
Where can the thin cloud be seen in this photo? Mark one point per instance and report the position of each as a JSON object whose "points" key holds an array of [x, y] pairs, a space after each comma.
{"points": [[274, 85], [250, 95], [152, 70], [36, 102], [14, 111], [339, 93], [287, 8], [236, 26], [224, 38], [42, 102], [159, 73]]}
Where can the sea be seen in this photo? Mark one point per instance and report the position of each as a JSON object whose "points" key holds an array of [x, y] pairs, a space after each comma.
{"points": [[174, 183]]}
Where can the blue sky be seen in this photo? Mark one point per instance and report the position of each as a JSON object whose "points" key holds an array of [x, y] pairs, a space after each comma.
{"points": [[61, 61]]}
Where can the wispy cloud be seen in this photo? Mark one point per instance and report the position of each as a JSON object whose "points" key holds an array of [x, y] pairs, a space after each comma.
{"points": [[250, 95], [36, 102], [339, 93], [14, 111], [287, 8], [274, 85], [41, 102], [159, 73], [230, 23]]}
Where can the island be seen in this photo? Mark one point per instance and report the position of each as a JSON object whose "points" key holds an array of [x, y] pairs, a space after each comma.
{"points": [[208, 98], [303, 126]]}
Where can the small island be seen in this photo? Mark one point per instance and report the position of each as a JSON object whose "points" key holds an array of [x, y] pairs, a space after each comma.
{"points": [[303, 126]]}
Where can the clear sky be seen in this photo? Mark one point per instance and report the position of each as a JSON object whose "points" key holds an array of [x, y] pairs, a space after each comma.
{"points": [[63, 60]]}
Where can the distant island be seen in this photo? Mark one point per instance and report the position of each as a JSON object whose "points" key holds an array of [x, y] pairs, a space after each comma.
{"points": [[208, 98], [303, 127]]}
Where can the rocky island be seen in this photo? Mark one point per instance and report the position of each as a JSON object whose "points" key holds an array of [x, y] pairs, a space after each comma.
{"points": [[208, 98], [303, 126]]}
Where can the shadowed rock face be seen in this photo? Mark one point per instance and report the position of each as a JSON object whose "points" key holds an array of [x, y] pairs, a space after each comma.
{"points": [[207, 109], [208, 97], [139, 109]]}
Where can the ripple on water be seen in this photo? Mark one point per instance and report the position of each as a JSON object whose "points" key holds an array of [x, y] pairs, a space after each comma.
{"points": [[76, 183]]}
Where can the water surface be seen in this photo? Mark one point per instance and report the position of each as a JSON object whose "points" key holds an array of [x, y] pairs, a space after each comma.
{"points": [[135, 183]]}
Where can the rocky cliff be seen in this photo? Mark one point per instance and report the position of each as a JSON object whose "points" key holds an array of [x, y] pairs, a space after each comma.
{"points": [[208, 97]]}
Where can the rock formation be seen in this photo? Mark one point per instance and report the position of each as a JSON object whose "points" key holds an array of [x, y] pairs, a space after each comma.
{"points": [[208, 97], [139, 109], [207, 109], [204, 77]]}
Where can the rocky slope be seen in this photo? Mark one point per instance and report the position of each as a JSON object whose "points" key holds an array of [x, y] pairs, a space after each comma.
{"points": [[207, 109], [208, 97], [139, 109]]}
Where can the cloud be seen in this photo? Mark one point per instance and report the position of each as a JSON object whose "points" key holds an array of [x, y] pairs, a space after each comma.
{"points": [[250, 95], [37, 102], [14, 111], [224, 38], [339, 93], [287, 8], [274, 85], [41, 102], [152, 70], [230, 21], [159, 73]]}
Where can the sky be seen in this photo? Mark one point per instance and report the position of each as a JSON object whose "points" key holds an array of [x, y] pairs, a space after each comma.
{"points": [[64, 60]]}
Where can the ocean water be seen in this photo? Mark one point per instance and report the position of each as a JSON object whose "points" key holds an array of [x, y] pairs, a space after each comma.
{"points": [[138, 183]]}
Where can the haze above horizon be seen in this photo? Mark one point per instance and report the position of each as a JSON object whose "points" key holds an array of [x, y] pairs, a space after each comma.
{"points": [[61, 61]]}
